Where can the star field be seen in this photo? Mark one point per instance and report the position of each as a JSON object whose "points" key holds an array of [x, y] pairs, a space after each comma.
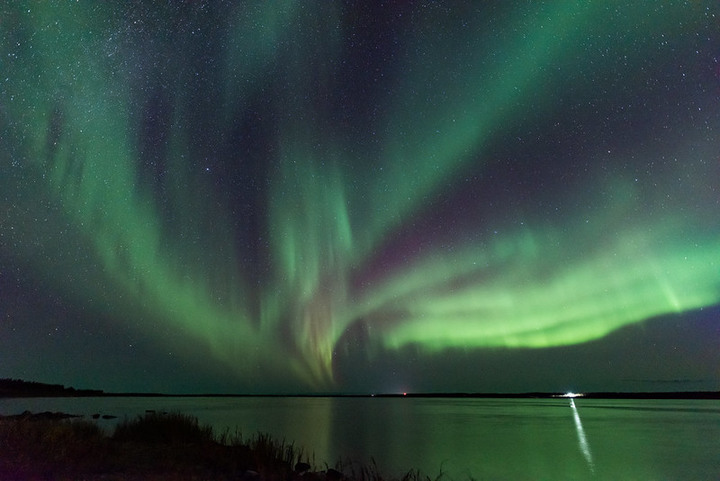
{"points": [[303, 196]]}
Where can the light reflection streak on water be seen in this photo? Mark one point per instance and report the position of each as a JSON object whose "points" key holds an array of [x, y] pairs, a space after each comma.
{"points": [[582, 439]]}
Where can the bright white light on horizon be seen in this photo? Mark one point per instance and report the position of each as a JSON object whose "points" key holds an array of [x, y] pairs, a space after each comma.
{"points": [[572, 394]]}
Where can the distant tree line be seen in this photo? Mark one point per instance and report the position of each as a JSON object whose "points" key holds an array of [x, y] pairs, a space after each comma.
{"points": [[21, 388]]}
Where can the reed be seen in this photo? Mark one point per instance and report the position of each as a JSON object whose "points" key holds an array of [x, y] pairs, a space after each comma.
{"points": [[169, 428]]}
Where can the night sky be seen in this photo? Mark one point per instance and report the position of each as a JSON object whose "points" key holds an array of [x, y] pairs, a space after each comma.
{"points": [[299, 196]]}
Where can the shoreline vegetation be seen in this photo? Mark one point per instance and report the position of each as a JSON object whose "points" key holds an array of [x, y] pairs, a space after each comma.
{"points": [[156, 446], [17, 388]]}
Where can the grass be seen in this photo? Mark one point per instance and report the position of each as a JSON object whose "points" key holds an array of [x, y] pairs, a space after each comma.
{"points": [[158, 447], [34, 448], [171, 428]]}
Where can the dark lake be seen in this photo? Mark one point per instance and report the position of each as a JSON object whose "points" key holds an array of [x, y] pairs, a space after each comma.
{"points": [[518, 439]]}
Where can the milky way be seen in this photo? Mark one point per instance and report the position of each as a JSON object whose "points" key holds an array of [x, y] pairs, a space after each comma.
{"points": [[288, 184]]}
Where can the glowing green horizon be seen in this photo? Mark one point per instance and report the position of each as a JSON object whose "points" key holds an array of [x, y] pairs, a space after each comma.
{"points": [[80, 204]]}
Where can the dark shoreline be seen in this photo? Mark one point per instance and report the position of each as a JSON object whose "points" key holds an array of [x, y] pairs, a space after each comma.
{"points": [[593, 395], [16, 388], [170, 446]]}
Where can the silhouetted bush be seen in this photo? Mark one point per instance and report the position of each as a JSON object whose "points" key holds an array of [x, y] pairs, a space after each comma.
{"points": [[171, 428]]}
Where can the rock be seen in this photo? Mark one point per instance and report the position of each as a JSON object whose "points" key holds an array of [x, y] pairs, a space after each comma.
{"points": [[302, 468], [333, 475], [250, 475]]}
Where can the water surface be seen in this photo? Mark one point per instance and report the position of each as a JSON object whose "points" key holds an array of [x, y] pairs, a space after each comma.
{"points": [[519, 439]]}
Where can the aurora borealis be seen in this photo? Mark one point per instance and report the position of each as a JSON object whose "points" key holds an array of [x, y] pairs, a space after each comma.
{"points": [[317, 196]]}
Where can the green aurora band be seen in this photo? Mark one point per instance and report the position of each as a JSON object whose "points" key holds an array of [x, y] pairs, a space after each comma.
{"points": [[80, 209]]}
